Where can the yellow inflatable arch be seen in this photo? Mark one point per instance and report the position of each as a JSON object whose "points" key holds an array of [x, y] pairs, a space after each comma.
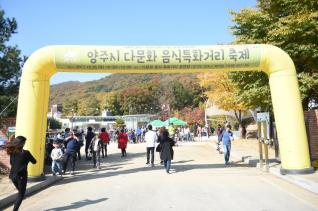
{"points": [[41, 65]]}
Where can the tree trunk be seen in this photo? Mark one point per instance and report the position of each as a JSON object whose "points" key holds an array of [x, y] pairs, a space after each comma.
{"points": [[238, 116]]}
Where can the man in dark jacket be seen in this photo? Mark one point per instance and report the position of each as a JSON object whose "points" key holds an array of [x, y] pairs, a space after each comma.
{"points": [[88, 139], [71, 144]]}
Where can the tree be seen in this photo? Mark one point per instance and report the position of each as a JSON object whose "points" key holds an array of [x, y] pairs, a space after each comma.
{"points": [[191, 115], [119, 123], [112, 103], [290, 25], [252, 89], [54, 124], [10, 65], [70, 107], [187, 94], [136, 100], [89, 107], [222, 91]]}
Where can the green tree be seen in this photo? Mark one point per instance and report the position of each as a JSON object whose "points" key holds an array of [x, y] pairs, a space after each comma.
{"points": [[181, 94], [54, 124], [10, 66], [290, 25], [70, 107], [89, 107], [112, 103], [136, 100], [119, 123]]}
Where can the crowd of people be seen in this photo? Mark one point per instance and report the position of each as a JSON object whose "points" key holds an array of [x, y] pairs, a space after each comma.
{"points": [[66, 148]]}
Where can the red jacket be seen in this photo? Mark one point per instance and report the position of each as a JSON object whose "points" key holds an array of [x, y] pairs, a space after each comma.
{"points": [[104, 137], [122, 140]]}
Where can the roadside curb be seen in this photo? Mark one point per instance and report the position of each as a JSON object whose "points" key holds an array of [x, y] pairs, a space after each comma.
{"points": [[307, 184], [50, 180], [304, 183], [294, 179]]}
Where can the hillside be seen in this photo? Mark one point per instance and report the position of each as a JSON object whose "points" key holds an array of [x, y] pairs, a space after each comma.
{"points": [[68, 91]]}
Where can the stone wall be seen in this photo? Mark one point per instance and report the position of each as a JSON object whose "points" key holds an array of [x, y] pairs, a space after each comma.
{"points": [[311, 120]]}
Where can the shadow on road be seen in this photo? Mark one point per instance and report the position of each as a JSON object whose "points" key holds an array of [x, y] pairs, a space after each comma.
{"points": [[78, 204], [272, 162], [183, 168], [178, 166]]}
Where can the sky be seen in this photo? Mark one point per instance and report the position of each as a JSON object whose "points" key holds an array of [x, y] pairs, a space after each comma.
{"points": [[119, 22]]}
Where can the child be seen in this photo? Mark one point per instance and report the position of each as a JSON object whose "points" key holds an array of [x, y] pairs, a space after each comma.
{"points": [[95, 147], [56, 156]]}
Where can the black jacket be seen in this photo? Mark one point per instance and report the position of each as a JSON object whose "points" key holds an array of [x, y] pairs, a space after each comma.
{"points": [[89, 136], [166, 149], [19, 164]]}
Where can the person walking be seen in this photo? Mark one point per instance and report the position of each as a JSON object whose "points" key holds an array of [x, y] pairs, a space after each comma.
{"points": [[19, 160], [122, 142], [160, 141], [71, 143], [227, 138], [138, 132], [56, 156], [199, 132], [171, 130], [187, 133], [104, 137], [219, 131], [79, 135], [150, 139], [95, 147], [88, 138], [166, 150], [67, 132]]}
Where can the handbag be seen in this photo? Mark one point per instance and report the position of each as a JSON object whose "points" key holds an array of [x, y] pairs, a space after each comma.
{"points": [[158, 148]]}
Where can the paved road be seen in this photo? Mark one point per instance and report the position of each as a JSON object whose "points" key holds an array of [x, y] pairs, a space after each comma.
{"points": [[199, 181]]}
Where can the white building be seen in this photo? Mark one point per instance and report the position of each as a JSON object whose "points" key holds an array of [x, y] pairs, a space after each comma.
{"points": [[97, 122]]}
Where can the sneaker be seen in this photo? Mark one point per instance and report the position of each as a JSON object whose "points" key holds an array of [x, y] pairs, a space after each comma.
{"points": [[53, 174], [72, 172], [147, 163]]}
